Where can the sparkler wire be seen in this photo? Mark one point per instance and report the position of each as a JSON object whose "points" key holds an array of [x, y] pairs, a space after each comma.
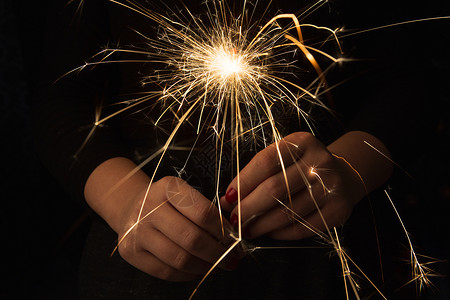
{"points": [[221, 68]]}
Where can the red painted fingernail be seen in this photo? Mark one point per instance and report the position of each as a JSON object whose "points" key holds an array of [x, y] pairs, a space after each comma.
{"points": [[234, 220], [231, 196]]}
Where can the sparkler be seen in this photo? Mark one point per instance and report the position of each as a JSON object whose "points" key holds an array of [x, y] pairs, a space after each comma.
{"points": [[225, 73]]}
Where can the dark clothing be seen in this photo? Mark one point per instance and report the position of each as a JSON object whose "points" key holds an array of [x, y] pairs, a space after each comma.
{"points": [[65, 111]]}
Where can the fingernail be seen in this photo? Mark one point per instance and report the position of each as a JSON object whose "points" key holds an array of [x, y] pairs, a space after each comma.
{"points": [[231, 196], [234, 220]]}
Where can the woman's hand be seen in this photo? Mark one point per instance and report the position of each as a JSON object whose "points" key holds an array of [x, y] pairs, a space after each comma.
{"points": [[172, 232], [318, 185]]}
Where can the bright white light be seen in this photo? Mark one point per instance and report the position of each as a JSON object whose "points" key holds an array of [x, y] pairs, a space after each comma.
{"points": [[227, 64]]}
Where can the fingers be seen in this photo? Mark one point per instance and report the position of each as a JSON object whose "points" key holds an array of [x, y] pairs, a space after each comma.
{"points": [[265, 164], [335, 213], [196, 208], [306, 182], [179, 234], [148, 263], [284, 184], [187, 235], [282, 216], [161, 257], [267, 195]]}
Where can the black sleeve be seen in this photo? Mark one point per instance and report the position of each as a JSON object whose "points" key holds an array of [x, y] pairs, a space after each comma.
{"points": [[64, 109]]}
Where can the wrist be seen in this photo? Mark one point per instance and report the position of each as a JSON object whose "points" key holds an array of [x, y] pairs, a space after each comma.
{"points": [[113, 187], [372, 167]]}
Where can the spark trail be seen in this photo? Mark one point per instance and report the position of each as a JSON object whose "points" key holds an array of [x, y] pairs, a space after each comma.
{"points": [[230, 71], [229, 64]]}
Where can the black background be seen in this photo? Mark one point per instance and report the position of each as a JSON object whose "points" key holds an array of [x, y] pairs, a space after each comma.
{"points": [[43, 231]]}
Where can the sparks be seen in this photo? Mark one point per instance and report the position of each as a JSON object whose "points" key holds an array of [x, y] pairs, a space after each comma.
{"points": [[228, 66], [239, 71]]}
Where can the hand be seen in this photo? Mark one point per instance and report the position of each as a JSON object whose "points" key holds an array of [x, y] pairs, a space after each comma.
{"points": [[319, 188], [178, 236]]}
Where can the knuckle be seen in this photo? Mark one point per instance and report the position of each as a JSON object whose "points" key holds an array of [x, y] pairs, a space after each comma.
{"points": [[182, 261], [274, 187], [296, 143], [300, 137], [265, 158], [202, 214], [191, 240], [307, 136], [178, 192], [296, 135], [308, 140]]}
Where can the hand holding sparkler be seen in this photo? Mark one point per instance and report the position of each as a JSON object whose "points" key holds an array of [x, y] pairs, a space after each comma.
{"points": [[174, 235], [324, 184]]}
